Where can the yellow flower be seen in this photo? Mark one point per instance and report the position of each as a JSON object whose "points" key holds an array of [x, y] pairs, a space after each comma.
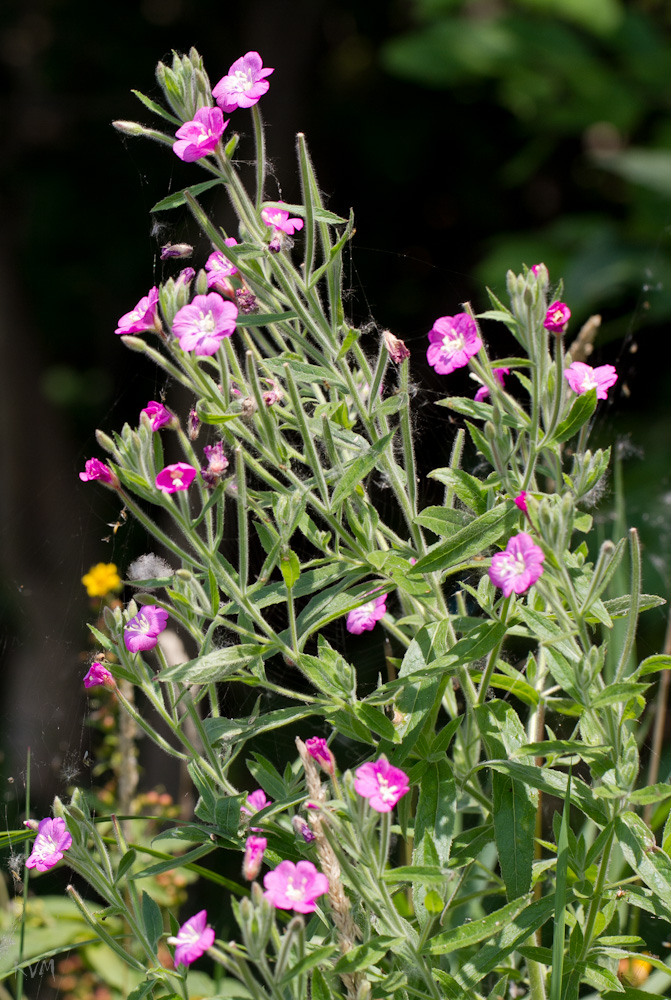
{"points": [[101, 579]]}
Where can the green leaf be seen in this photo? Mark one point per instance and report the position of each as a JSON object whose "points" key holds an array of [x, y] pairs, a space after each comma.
{"points": [[176, 862], [640, 851], [156, 108], [472, 540], [469, 489], [614, 694], [230, 729], [125, 864], [142, 990], [213, 666], [291, 568], [421, 874], [450, 987], [320, 988], [514, 804], [179, 197], [651, 664], [104, 640], [152, 919], [560, 900], [332, 603], [377, 721], [367, 954], [582, 409], [355, 472], [435, 820], [442, 520], [477, 931], [264, 319]]}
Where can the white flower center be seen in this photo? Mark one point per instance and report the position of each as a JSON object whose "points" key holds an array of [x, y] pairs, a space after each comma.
{"points": [[452, 342], [387, 792], [206, 323], [243, 80], [142, 624], [589, 382], [294, 892]]}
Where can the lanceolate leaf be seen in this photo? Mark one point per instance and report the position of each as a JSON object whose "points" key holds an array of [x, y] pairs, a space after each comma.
{"points": [[470, 541]]}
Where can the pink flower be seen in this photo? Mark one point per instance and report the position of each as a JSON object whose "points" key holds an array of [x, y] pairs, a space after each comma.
{"points": [[381, 783], [98, 674], [244, 83], [363, 619], [95, 469], [582, 378], [157, 414], [202, 325], [557, 317], [398, 352], [452, 341], [538, 269], [280, 221], [521, 501], [220, 267], [175, 477], [201, 136], [483, 391], [185, 276], [295, 887], [256, 801], [274, 394], [254, 848], [142, 631], [318, 749], [516, 569], [193, 939], [51, 840], [217, 463], [143, 317]]}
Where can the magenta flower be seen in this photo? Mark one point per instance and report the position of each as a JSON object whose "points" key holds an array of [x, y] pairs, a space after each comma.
{"points": [[274, 394], [220, 267], [295, 887], [201, 136], [98, 674], [254, 848], [157, 414], [280, 221], [193, 939], [51, 840], [95, 469], [318, 749], [244, 84], [516, 569], [452, 341], [185, 276], [202, 325], [142, 631], [175, 477], [363, 619], [143, 317], [483, 391], [255, 802], [557, 317], [538, 269], [381, 783], [582, 378], [521, 501]]}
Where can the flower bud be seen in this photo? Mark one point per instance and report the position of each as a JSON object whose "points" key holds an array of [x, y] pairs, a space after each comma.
{"points": [[106, 442], [177, 250], [318, 749], [302, 829], [254, 848], [129, 128], [398, 352], [134, 343], [201, 283]]}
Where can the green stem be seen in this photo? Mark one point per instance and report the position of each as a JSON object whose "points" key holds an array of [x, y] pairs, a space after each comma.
{"points": [[260, 141]]}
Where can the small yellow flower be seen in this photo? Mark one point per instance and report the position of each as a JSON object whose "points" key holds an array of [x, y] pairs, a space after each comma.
{"points": [[634, 971], [101, 580]]}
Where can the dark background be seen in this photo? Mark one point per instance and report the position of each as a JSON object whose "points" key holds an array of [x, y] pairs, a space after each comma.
{"points": [[469, 137]]}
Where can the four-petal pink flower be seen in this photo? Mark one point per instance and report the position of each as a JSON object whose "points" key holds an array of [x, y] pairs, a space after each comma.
{"points": [[193, 939], [279, 219], [244, 83], [95, 469], [142, 631], [452, 341], [144, 317], [519, 566], [582, 378], [51, 840], [363, 619], [177, 476], [98, 674], [201, 136], [295, 887], [381, 783], [557, 317], [202, 325], [157, 414]]}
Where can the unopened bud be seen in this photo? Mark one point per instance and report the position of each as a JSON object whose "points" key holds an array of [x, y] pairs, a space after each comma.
{"points": [[193, 425], [254, 848], [106, 442], [318, 749], [201, 283], [129, 128], [178, 250], [302, 829], [134, 343]]}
